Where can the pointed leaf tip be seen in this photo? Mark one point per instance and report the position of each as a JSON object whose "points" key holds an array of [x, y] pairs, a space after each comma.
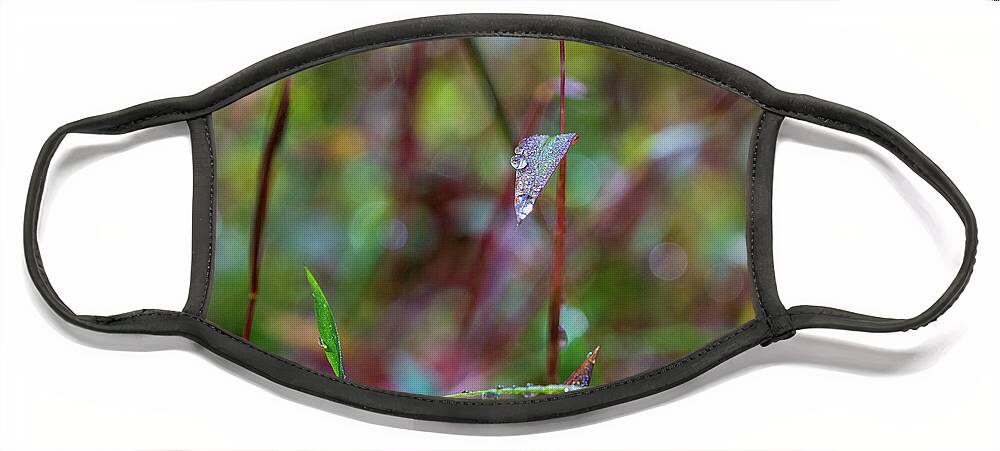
{"points": [[581, 376]]}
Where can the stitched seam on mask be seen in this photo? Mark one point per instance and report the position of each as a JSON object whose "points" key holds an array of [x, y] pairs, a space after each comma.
{"points": [[211, 218], [825, 311], [676, 364], [753, 223]]}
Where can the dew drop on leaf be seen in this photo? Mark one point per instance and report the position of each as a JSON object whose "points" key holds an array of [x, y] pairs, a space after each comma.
{"points": [[536, 158], [518, 162]]}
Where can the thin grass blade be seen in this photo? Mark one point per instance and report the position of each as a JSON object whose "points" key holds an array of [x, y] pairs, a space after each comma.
{"points": [[327, 328], [527, 391]]}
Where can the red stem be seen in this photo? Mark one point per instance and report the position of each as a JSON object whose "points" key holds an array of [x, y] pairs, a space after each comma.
{"points": [[552, 363], [263, 192], [562, 87]]}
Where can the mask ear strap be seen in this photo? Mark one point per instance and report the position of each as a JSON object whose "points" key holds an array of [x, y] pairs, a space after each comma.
{"points": [[139, 117], [852, 121]]}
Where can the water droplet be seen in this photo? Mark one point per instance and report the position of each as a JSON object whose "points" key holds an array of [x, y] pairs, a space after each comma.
{"points": [[466, 391], [567, 390], [500, 387], [321, 344], [523, 205], [529, 385], [518, 162]]}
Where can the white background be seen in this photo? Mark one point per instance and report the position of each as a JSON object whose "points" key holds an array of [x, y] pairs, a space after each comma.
{"points": [[853, 229]]}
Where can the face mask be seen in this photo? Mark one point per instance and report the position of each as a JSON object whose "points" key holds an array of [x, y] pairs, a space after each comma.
{"points": [[486, 218]]}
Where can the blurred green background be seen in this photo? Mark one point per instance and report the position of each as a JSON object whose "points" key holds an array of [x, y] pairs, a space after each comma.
{"points": [[392, 183]]}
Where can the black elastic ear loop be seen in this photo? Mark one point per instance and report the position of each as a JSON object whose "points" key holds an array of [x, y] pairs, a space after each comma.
{"points": [[852, 121], [128, 120]]}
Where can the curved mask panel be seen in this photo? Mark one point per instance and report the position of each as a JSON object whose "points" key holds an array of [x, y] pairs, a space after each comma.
{"points": [[451, 216], [466, 218]]}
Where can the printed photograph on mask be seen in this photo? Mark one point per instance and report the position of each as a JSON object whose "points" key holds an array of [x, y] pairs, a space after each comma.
{"points": [[482, 218]]}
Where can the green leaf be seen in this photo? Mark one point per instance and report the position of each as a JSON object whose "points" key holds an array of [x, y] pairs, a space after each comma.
{"points": [[328, 337], [527, 391], [578, 380]]}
